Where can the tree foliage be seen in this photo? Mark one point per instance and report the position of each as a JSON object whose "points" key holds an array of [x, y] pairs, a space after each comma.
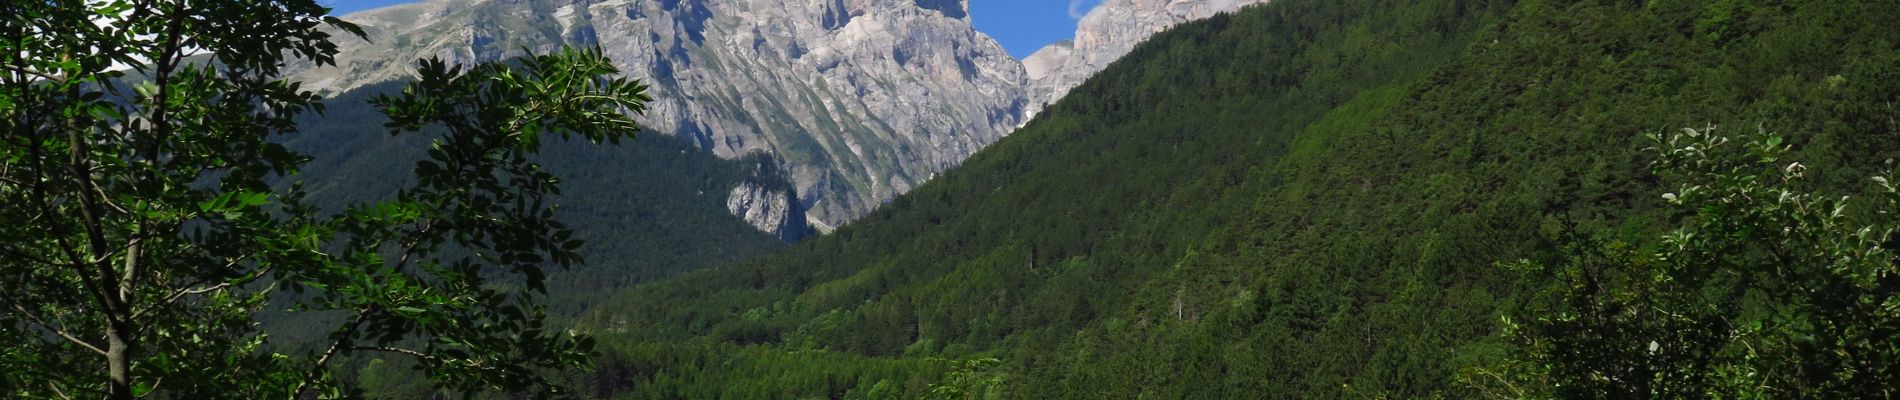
{"points": [[971, 379], [1767, 288], [647, 208], [140, 170], [1304, 199]]}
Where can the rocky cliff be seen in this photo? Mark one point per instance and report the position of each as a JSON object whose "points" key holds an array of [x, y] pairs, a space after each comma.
{"points": [[768, 210], [1106, 33], [860, 100]]}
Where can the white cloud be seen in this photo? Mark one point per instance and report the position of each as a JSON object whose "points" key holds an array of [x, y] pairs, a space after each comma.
{"points": [[1079, 8]]}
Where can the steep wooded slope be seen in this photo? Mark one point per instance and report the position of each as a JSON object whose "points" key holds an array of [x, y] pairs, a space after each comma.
{"points": [[1304, 200], [647, 208]]}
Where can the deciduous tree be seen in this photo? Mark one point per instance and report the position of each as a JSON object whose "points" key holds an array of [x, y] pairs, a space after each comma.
{"points": [[1765, 289], [151, 214]]}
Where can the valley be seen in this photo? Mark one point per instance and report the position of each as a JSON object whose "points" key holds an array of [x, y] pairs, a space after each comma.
{"points": [[856, 199]]}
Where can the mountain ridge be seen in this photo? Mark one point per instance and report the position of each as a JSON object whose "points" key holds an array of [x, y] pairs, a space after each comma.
{"points": [[1105, 34], [1308, 199], [860, 100]]}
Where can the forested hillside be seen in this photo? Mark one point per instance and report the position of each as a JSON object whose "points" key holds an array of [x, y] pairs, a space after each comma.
{"points": [[647, 208], [1306, 199]]}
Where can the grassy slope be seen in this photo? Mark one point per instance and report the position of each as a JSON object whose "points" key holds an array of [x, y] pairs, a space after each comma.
{"points": [[1302, 200]]}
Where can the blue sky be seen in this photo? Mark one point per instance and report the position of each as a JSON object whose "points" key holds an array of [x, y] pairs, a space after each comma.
{"points": [[1023, 26]]}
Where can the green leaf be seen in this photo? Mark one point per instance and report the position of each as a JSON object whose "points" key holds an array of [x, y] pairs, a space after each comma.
{"points": [[247, 200]]}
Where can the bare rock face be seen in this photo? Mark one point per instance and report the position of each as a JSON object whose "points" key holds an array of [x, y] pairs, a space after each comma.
{"points": [[768, 210], [1049, 60], [860, 100], [1107, 33]]}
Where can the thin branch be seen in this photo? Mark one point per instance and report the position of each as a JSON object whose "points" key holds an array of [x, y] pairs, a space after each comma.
{"points": [[107, 200], [189, 290], [220, 286], [1516, 393], [57, 330], [397, 350], [154, 388], [29, 72], [343, 335], [415, 240], [56, 391], [418, 354]]}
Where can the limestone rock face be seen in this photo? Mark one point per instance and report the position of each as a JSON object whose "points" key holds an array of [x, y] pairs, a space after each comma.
{"points": [[857, 100], [1105, 34], [1049, 60], [860, 100], [768, 210]]}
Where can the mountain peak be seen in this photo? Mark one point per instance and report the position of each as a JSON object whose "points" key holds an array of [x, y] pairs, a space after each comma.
{"points": [[1046, 60], [957, 9], [1106, 33]]}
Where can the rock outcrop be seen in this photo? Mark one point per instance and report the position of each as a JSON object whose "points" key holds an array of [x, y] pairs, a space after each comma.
{"points": [[768, 210]]}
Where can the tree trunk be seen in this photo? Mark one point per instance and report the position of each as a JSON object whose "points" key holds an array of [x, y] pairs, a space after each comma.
{"points": [[118, 362]]}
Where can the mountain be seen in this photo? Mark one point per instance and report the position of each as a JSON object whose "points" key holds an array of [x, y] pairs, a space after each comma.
{"points": [[859, 100], [1306, 199], [647, 208], [1103, 35]]}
